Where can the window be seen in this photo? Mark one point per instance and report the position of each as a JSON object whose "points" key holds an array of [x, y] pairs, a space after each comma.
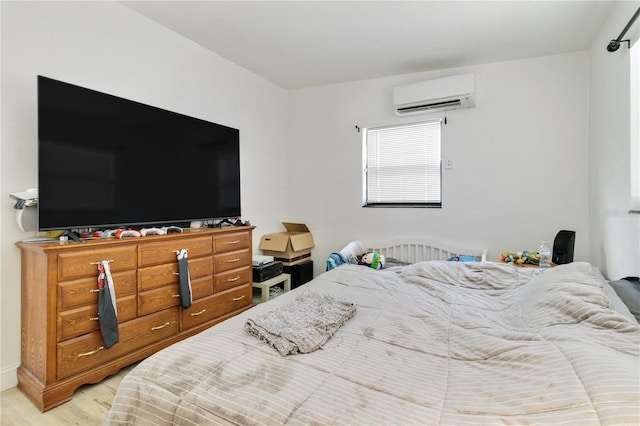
{"points": [[402, 165]]}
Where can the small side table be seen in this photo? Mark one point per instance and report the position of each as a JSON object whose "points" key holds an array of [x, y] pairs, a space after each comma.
{"points": [[266, 285]]}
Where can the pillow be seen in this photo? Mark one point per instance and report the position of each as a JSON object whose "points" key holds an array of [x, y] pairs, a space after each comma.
{"points": [[629, 292], [353, 250]]}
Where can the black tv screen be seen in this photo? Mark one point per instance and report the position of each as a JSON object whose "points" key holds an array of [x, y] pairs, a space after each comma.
{"points": [[106, 162]]}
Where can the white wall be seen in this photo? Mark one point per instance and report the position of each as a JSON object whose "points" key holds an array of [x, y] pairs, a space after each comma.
{"points": [[615, 235], [520, 160], [107, 47]]}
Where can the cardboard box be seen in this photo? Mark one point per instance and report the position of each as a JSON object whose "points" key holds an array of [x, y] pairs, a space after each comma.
{"points": [[290, 247]]}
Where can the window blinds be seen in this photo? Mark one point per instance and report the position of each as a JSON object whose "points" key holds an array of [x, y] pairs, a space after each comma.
{"points": [[403, 164]]}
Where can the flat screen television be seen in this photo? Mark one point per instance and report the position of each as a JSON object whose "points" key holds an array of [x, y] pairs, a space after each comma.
{"points": [[106, 162]]}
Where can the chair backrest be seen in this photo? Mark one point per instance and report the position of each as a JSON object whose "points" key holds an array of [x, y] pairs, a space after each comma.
{"points": [[563, 246]]}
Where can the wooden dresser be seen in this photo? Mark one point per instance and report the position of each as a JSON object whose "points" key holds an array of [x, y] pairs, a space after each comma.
{"points": [[62, 347]]}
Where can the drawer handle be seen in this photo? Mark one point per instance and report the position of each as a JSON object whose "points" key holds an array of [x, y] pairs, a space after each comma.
{"points": [[175, 295], [158, 327], [230, 280], [195, 314], [91, 352], [235, 299], [237, 259], [233, 242], [94, 290], [94, 319], [176, 273]]}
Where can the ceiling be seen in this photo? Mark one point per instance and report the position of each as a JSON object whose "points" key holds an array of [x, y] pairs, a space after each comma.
{"points": [[298, 44]]}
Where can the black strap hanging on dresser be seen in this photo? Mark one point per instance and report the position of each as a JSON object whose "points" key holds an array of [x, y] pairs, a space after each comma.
{"points": [[107, 315], [185, 279]]}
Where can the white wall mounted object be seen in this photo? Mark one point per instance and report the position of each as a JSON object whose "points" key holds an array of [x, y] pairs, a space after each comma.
{"points": [[442, 94], [25, 209]]}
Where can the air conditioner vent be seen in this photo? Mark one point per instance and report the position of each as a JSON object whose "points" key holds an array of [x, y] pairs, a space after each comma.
{"points": [[435, 105], [442, 94]]}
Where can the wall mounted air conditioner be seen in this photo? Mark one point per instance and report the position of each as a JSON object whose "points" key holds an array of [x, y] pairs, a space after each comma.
{"points": [[442, 94]]}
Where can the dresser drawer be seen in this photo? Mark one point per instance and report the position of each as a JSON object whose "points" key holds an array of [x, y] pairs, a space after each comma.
{"points": [[215, 306], [200, 267], [84, 291], [88, 351], [232, 260], [82, 263], [231, 300], [201, 287], [157, 276], [233, 278], [79, 321], [164, 297], [160, 275], [197, 314], [166, 251], [231, 242], [158, 299]]}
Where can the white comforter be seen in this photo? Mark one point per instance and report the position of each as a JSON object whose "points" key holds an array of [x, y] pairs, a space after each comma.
{"points": [[432, 343]]}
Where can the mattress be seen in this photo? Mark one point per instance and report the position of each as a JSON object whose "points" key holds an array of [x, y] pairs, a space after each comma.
{"points": [[430, 343]]}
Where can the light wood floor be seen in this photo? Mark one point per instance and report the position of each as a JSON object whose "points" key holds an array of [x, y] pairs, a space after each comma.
{"points": [[89, 405]]}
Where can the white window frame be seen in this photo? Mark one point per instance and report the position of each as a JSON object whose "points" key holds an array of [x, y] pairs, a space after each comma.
{"points": [[634, 131], [382, 183]]}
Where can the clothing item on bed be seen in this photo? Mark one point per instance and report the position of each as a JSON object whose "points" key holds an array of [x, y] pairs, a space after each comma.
{"points": [[463, 258], [303, 325], [335, 259]]}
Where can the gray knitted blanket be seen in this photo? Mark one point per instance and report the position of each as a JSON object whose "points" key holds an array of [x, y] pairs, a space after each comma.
{"points": [[303, 325]]}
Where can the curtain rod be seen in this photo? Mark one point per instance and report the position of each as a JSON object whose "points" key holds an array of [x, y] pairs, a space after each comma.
{"points": [[615, 44]]}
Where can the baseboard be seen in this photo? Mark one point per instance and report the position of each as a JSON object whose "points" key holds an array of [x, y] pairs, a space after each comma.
{"points": [[9, 377]]}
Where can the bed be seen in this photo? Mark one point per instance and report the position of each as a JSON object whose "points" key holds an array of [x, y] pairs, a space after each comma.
{"points": [[430, 342]]}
